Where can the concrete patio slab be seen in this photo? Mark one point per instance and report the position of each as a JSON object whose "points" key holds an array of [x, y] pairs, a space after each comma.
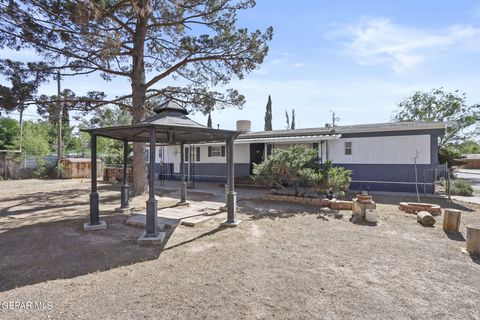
{"points": [[162, 223], [193, 221], [92, 227], [147, 241]]}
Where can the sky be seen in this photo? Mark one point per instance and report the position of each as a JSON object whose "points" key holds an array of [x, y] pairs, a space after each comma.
{"points": [[356, 58]]}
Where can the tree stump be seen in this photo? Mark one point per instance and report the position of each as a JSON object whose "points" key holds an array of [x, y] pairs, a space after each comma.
{"points": [[425, 218], [473, 240], [451, 220]]}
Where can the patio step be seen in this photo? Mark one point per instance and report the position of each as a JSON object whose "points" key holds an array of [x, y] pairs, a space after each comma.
{"points": [[162, 222], [193, 221]]}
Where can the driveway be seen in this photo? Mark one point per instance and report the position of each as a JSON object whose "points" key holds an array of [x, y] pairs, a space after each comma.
{"points": [[473, 176]]}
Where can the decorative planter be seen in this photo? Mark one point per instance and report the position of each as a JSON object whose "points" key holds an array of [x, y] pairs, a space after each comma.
{"points": [[414, 208], [364, 198]]}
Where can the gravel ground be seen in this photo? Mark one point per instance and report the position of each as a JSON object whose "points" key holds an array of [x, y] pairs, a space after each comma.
{"points": [[284, 261]]}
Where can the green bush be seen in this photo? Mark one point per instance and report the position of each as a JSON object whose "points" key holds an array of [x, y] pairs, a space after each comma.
{"points": [[297, 167], [461, 187]]}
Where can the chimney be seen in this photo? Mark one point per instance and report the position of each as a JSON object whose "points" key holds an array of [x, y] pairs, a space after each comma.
{"points": [[244, 125]]}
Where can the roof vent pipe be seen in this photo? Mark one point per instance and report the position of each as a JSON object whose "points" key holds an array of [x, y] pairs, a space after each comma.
{"points": [[244, 125]]}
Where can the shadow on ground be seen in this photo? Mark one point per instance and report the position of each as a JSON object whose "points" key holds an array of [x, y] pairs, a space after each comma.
{"points": [[61, 249], [51, 200], [261, 209]]}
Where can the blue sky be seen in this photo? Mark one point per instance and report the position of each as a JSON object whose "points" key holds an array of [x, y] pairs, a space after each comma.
{"points": [[358, 58]]}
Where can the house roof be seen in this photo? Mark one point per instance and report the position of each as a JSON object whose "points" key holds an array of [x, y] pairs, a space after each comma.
{"points": [[361, 128], [472, 156]]}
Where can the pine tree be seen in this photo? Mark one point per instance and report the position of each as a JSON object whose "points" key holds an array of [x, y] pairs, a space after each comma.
{"points": [[149, 43], [268, 115], [209, 121]]}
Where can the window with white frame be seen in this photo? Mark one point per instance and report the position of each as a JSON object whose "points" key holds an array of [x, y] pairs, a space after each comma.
{"points": [[348, 148], [216, 151]]}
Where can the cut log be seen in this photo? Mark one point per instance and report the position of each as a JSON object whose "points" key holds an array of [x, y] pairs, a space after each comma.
{"points": [[425, 218], [473, 240], [451, 220]]}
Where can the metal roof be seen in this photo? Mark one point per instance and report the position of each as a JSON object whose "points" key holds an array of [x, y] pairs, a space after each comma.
{"points": [[172, 127], [362, 128]]}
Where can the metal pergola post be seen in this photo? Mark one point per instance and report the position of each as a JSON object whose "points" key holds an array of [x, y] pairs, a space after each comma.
{"points": [[151, 219], [94, 221], [124, 195], [232, 195], [183, 185]]}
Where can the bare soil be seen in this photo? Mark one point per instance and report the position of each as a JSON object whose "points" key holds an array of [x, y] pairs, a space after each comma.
{"points": [[284, 261]]}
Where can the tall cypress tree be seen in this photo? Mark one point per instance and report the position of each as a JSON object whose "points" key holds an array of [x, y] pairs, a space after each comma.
{"points": [[292, 126], [268, 115], [209, 121]]}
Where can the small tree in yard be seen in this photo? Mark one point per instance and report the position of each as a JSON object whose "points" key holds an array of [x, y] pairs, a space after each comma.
{"points": [[148, 42], [297, 167], [438, 105]]}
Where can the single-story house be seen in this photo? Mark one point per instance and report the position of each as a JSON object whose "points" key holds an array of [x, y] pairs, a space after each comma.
{"points": [[380, 155], [471, 161]]}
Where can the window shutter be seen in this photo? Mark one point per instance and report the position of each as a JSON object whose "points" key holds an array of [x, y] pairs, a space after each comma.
{"points": [[209, 151], [223, 151]]}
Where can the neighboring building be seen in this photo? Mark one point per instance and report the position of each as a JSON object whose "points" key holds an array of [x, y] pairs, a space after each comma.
{"points": [[73, 168], [471, 161], [9, 164], [381, 156]]}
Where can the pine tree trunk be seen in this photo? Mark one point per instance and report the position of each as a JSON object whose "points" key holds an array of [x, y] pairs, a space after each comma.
{"points": [[21, 127], [140, 182]]}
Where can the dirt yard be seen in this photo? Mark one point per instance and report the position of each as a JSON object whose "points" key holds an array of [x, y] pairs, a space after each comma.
{"points": [[284, 261]]}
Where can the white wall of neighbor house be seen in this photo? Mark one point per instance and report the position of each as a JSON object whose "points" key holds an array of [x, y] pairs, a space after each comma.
{"points": [[171, 154], [381, 150]]}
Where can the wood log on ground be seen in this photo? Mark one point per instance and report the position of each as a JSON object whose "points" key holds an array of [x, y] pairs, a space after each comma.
{"points": [[425, 218], [451, 220], [473, 240]]}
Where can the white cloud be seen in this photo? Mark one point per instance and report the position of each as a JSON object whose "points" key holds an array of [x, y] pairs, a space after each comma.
{"points": [[380, 41]]}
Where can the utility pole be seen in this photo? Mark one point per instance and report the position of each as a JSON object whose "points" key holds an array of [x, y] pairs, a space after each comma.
{"points": [[59, 127]]}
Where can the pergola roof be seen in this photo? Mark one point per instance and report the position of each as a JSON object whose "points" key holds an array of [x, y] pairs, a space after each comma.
{"points": [[172, 126]]}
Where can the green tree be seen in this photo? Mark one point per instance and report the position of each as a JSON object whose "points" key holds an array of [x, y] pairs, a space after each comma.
{"points": [[209, 120], [36, 140], [24, 86], [438, 105], [287, 119], [9, 134], [292, 126], [110, 151], [467, 147], [268, 115], [149, 42]]}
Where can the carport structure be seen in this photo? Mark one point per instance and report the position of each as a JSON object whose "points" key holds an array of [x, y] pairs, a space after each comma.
{"points": [[170, 126]]}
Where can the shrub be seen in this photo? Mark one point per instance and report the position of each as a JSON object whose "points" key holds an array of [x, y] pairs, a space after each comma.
{"points": [[461, 187], [297, 167]]}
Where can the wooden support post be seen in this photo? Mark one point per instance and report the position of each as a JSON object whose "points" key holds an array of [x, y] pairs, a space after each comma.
{"points": [[451, 220], [473, 240]]}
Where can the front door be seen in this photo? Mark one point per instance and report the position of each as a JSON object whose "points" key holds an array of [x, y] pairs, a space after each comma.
{"points": [[257, 154]]}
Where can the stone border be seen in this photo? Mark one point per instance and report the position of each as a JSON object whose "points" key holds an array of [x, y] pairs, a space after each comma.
{"points": [[414, 208], [333, 204]]}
